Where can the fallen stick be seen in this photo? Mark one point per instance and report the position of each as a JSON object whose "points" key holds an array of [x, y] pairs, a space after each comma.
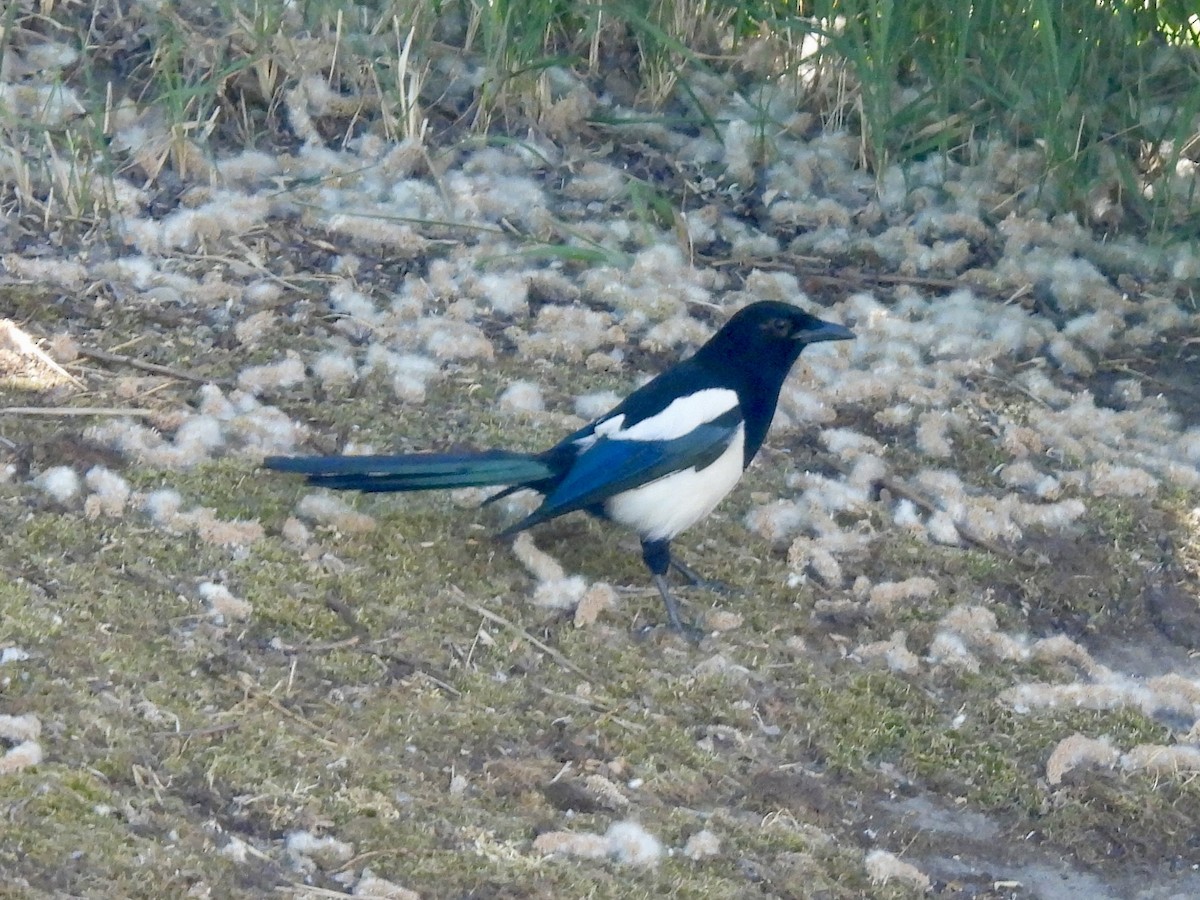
{"points": [[155, 368], [75, 411]]}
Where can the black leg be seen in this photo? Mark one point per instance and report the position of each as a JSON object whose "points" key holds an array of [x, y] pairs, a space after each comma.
{"points": [[657, 556]]}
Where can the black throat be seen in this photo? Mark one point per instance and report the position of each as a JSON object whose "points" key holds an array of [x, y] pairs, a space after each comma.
{"points": [[757, 376]]}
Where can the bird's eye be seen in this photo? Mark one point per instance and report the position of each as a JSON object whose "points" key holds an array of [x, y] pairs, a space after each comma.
{"points": [[778, 328]]}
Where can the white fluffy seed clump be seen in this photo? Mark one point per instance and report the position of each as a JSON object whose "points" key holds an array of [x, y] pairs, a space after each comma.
{"points": [[568, 332], [165, 509], [328, 509], [1077, 751], [557, 590], [239, 423], [277, 376], [626, 842], [335, 369], [60, 483], [222, 605], [308, 851], [522, 396], [591, 406], [893, 653], [885, 596], [410, 372], [22, 732], [110, 493], [884, 866]]}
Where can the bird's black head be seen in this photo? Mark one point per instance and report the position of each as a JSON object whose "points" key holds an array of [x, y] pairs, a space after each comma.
{"points": [[753, 354], [772, 334]]}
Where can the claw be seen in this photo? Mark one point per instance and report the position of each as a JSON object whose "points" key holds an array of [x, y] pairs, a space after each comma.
{"points": [[692, 632], [695, 579]]}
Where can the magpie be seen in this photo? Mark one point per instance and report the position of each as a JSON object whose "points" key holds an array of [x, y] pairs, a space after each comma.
{"points": [[657, 463]]}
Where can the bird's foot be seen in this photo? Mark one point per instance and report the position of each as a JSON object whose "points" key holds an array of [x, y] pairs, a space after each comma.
{"points": [[717, 587], [695, 579], [693, 634], [676, 623]]}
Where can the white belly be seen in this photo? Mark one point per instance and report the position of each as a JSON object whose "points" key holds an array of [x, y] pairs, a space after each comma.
{"points": [[662, 509]]}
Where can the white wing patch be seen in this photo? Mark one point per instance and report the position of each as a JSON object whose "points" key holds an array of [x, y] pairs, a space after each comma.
{"points": [[607, 428], [680, 416]]}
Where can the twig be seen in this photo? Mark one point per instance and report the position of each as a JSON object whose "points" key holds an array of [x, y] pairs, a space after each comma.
{"points": [[900, 489], [292, 649], [359, 640], [1021, 389], [299, 889], [356, 861], [522, 633], [1120, 365], [74, 411], [117, 359], [857, 277], [595, 706], [258, 693], [12, 336], [817, 269], [202, 732], [346, 614]]}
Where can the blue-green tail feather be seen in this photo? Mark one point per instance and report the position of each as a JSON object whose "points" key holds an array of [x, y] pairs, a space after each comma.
{"points": [[415, 472]]}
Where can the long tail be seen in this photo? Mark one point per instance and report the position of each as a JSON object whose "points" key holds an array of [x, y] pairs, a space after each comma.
{"points": [[415, 472]]}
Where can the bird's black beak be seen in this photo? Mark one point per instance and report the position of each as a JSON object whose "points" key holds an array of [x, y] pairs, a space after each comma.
{"points": [[823, 331]]}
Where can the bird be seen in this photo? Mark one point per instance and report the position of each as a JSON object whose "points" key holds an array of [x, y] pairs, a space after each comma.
{"points": [[657, 463]]}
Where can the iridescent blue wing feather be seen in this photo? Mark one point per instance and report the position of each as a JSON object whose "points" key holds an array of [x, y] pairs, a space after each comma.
{"points": [[611, 466]]}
